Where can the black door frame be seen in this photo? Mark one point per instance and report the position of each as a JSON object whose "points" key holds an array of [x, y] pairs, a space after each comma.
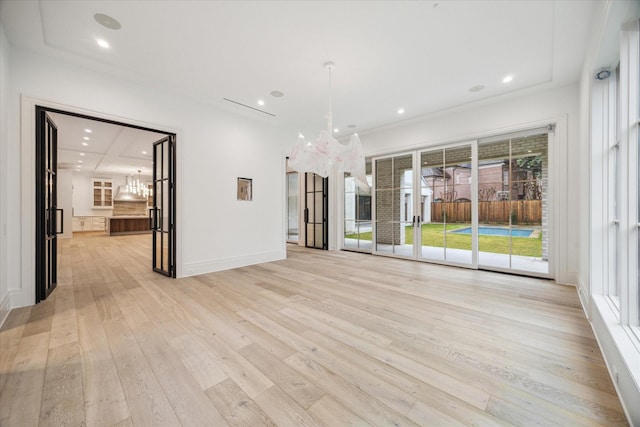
{"points": [[40, 218], [324, 190], [162, 215], [46, 205]]}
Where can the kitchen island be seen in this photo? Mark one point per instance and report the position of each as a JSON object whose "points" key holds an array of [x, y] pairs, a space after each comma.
{"points": [[134, 224]]}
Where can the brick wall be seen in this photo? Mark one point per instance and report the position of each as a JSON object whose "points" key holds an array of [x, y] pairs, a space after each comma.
{"points": [[130, 208], [390, 193]]}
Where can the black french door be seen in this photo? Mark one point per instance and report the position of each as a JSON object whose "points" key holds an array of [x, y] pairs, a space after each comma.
{"points": [[316, 211], [47, 219], [162, 215]]}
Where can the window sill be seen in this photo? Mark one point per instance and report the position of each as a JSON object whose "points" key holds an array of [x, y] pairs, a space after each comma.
{"points": [[620, 347]]}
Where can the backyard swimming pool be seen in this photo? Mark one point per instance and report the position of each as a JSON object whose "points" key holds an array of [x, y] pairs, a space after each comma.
{"points": [[496, 231]]}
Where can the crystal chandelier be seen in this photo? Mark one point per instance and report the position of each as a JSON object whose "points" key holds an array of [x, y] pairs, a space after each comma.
{"points": [[136, 186]]}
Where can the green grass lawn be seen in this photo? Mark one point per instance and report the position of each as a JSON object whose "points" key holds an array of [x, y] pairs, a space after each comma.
{"points": [[433, 235]]}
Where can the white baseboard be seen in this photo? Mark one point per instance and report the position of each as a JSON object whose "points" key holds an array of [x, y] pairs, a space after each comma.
{"points": [[583, 295], [195, 268], [14, 299], [5, 308]]}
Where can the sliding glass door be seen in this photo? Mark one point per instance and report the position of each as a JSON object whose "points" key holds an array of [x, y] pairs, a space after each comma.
{"points": [[394, 206], [423, 205], [446, 202], [513, 204], [480, 204]]}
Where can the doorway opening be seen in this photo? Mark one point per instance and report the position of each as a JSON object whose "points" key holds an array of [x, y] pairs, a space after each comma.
{"points": [[113, 153], [293, 206], [316, 211]]}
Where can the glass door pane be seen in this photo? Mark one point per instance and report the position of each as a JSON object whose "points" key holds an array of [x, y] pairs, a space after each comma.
{"points": [[445, 197], [458, 231], [316, 211], [293, 206], [394, 205], [46, 204], [494, 204], [357, 212], [529, 204], [513, 204], [433, 189], [163, 211]]}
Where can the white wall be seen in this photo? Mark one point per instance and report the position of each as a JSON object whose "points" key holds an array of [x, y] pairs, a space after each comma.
{"points": [[214, 148], [4, 168], [502, 115], [65, 201]]}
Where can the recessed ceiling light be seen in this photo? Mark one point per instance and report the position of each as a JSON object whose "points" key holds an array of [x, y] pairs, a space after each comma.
{"points": [[82, 154], [85, 144], [86, 138], [336, 130], [107, 21], [277, 94], [260, 102], [103, 43], [144, 152], [528, 151], [507, 79], [477, 88], [400, 110], [87, 130], [79, 161]]}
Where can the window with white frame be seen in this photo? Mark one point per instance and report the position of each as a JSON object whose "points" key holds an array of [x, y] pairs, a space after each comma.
{"points": [[612, 135], [620, 134], [615, 126], [629, 120]]}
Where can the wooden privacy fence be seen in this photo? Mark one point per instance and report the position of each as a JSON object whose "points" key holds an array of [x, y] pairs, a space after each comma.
{"points": [[520, 212]]}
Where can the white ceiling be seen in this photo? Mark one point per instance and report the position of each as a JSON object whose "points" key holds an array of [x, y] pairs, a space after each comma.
{"points": [[109, 149], [420, 56]]}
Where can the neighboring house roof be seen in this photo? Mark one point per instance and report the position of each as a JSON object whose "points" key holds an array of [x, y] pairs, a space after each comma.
{"points": [[434, 173]]}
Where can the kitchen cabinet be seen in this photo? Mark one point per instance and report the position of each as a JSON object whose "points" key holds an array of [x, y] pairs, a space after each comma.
{"points": [[89, 223], [128, 225], [102, 193]]}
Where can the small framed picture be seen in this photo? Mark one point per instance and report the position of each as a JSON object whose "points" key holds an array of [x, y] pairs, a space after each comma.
{"points": [[245, 191]]}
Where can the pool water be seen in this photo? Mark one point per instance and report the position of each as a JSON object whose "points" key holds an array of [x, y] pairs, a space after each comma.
{"points": [[496, 231]]}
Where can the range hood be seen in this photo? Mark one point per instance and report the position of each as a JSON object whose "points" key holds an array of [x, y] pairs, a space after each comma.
{"points": [[124, 195]]}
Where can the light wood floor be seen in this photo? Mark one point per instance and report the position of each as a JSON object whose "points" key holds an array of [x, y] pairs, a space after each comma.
{"points": [[321, 338]]}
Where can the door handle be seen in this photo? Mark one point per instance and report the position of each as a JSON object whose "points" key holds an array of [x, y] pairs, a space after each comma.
{"points": [[47, 222], [154, 223], [306, 215], [413, 222], [61, 222], [151, 218], [419, 221]]}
